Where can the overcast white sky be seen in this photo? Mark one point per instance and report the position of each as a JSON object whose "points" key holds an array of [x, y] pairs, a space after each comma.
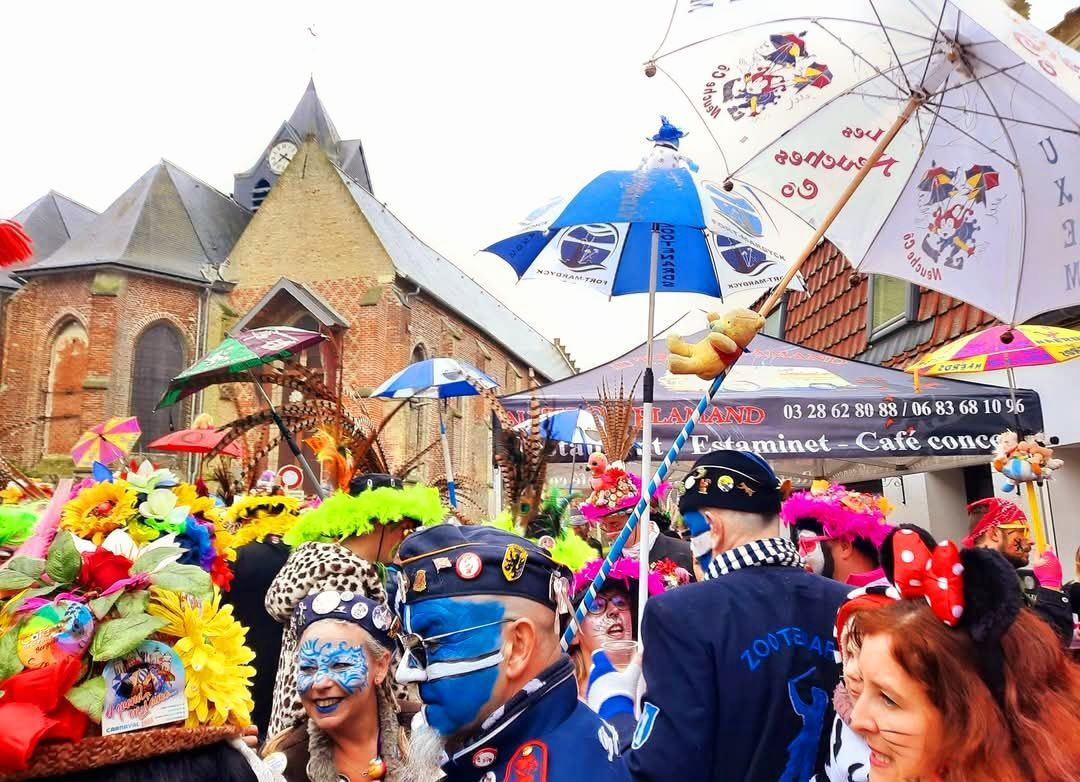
{"points": [[471, 113]]}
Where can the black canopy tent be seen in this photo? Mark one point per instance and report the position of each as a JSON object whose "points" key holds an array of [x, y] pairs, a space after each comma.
{"points": [[812, 414]]}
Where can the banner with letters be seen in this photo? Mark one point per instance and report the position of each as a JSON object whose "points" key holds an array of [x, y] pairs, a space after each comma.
{"points": [[786, 401]]}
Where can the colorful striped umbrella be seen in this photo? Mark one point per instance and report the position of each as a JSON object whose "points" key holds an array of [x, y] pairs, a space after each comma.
{"points": [[106, 442], [1001, 347]]}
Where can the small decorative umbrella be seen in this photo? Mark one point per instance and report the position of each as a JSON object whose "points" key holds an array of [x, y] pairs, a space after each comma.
{"points": [[15, 245], [577, 427], [199, 441], [1001, 347], [240, 354], [106, 442], [437, 378]]}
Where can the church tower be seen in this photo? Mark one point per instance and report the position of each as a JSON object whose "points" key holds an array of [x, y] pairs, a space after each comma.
{"points": [[309, 120]]}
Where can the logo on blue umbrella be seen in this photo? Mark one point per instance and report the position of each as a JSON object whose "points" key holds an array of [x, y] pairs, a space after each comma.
{"points": [[734, 209], [742, 258], [584, 248]]}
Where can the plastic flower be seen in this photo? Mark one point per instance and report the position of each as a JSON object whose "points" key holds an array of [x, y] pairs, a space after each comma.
{"points": [[101, 569], [198, 505], [11, 494], [211, 646], [161, 505], [146, 479], [197, 544], [121, 542], [99, 510]]}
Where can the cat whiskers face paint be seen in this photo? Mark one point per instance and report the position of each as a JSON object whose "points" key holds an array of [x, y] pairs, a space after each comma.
{"points": [[325, 666]]}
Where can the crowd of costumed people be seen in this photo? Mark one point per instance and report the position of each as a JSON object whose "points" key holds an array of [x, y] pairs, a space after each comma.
{"points": [[153, 630]]}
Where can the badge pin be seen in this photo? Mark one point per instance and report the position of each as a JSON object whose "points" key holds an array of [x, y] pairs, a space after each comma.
{"points": [[483, 758], [382, 617], [419, 583], [546, 542], [725, 483], [359, 611], [468, 566], [442, 563], [742, 485], [513, 563], [325, 603]]}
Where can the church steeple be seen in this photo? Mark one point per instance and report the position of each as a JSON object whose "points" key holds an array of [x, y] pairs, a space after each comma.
{"points": [[309, 118]]}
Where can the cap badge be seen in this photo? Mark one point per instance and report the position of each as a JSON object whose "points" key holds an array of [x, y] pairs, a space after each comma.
{"points": [[325, 603], [725, 483], [442, 563], [468, 566], [382, 617], [419, 583], [742, 485], [483, 758], [546, 542], [359, 611], [513, 563]]}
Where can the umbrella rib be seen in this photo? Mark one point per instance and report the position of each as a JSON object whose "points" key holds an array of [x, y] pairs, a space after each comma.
{"points": [[937, 32], [878, 71], [896, 55], [667, 32], [708, 127], [1005, 72], [774, 22], [936, 109]]}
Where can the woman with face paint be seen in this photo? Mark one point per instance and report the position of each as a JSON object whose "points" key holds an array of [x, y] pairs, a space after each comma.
{"points": [[960, 681], [343, 681], [346, 544], [612, 616]]}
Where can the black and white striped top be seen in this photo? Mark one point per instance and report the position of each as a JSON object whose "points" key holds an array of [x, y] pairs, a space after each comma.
{"points": [[768, 551]]}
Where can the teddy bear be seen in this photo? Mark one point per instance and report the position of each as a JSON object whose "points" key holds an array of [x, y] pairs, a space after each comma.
{"points": [[709, 357], [597, 464]]}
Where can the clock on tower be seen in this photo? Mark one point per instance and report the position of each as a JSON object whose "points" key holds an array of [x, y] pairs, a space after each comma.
{"points": [[280, 156]]}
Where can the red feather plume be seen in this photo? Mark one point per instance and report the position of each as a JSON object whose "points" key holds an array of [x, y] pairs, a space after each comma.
{"points": [[15, 244]]}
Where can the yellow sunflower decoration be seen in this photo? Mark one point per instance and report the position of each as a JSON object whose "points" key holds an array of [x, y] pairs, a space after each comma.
{"points": [[252, 518], [99, 509], [211, 647], [187, 494]]}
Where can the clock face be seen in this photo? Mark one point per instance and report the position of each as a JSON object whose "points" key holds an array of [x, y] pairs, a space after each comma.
{"points": [[280, 156]]}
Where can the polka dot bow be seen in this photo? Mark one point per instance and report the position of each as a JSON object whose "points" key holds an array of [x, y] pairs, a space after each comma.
{"points": [[937, 576]]}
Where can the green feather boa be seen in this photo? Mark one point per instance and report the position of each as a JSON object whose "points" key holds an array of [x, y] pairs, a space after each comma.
{"points": [[344, 516], [16, 524]]}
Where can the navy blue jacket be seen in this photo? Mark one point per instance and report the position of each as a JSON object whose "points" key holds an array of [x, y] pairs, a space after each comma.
{"points": [[739, 672], [547, 735]]}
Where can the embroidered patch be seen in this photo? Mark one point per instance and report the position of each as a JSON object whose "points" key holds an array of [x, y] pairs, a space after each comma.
{"points": [[529, 763], [483, 758], [468, 566], [513, 564], [645, 725]]}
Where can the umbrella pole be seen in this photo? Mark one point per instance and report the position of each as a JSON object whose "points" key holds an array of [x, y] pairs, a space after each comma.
{"points": [[1012, 400], [451, 489], [308, 472], [644, 544], [909, 109]]}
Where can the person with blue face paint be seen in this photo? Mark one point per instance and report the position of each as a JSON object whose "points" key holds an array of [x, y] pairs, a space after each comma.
{"points": [[738, 667], [343, 682], [481, 610]]}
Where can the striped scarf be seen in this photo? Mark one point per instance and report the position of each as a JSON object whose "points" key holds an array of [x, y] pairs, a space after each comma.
{"points": [[770, 551]]}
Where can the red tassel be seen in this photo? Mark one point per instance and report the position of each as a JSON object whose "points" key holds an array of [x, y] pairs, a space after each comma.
{"points": [[15, 244]]}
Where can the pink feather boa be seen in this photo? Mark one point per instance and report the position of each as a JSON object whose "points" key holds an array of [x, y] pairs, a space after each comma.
{"points": [[624, 570], [839, 521]]}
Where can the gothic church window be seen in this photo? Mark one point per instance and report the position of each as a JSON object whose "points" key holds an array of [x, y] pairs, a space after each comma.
{"points": [[159, 357]]}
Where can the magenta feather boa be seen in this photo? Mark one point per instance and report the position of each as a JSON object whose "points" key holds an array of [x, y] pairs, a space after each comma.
{"points": [[624, 570], [838, 520]]}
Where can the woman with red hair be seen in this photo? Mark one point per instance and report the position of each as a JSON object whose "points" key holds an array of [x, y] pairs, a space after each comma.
{"points": [[960, 681]]}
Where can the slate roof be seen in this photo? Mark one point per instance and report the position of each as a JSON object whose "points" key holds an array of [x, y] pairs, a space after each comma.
{"points": [[312, 302], [832, 316], [168, 223], [50, 221], [442, 280]]}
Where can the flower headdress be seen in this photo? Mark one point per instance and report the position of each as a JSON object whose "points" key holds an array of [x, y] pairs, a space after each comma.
{"points": [[842, 514], [104, 638]]}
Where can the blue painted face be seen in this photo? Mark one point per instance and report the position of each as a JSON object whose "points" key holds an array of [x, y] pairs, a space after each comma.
{"points": [[453, 702], [334, 662]]}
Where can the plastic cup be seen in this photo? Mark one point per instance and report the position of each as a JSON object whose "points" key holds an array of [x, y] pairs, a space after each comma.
{"points": [[620, 652]]}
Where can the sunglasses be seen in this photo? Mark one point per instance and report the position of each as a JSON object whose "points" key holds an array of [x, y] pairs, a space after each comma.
{"points": [[418, 648], [807, 543], [1021, 528], [601, 603]]}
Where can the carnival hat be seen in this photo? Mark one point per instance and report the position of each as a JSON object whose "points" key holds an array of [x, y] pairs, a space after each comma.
{"points": [[376, 618], [733, 480]]}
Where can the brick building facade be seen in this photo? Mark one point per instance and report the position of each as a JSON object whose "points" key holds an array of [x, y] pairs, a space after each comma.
{"points": [[95, 325]]}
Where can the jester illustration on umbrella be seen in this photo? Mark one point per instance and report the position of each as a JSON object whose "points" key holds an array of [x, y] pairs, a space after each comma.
{"points": [[950, 202], [785, 63]]}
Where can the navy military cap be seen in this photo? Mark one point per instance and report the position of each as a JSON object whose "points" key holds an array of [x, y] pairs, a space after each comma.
{"points": [[375, 617], [454, 561], [732, 480]]}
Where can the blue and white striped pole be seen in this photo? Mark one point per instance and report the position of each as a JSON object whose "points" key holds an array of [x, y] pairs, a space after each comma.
{"points": [[451, 489], [643, 503]]}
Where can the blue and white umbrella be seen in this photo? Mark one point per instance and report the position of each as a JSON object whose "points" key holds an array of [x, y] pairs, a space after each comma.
{"points": [[659, 227], [577, 427], [437, 378]]}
